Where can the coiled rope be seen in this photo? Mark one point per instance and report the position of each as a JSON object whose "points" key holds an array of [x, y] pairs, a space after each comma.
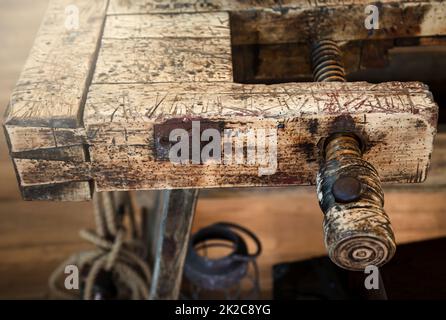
{"points": [[116, 252]]}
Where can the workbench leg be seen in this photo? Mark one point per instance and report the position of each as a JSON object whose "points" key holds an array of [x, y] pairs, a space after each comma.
{"points": [[150, 205], [176, 211]]}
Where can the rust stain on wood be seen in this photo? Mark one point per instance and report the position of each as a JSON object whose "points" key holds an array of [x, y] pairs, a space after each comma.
{"points": [[151, 76]]}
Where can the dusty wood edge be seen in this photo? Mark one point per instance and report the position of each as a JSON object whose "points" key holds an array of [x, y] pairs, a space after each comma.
{"points": [[68, 191], [34, 172], [435, 182], [253, 23], [56, 134], [118, 7], [147, 104], [46, 67], [36, 168], [53, 190], [24, 139], [57, 137], [341, 23], [48, 190]]}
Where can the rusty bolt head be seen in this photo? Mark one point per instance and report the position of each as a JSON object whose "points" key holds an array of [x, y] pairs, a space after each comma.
{"points": [[346, 189]]}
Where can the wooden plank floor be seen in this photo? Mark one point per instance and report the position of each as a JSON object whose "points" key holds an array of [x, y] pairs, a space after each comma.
{"points": [[36, 236]]}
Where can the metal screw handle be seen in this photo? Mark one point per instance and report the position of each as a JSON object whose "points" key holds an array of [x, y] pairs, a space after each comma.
{"points": [[356, 228]]}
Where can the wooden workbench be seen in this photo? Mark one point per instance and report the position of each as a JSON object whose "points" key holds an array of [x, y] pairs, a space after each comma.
{"points": [[26, 262], [86, 109]]}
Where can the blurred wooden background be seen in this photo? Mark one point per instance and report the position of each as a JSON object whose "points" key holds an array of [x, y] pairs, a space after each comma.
{"points": [[36, 236]]}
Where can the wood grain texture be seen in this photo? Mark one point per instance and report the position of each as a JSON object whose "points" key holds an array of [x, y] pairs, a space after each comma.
{"points": [[164, 60], [145, 79], [35, 138], [198, 25], [139, 104], [177, 215], [120, 122], [70, 153], [436, 178], [172, 6], [177, 6], [270, 22], [39, 172], [170, 64], [66, 191], [338, 23], [54, 80], [44, 117], [165, 48]]}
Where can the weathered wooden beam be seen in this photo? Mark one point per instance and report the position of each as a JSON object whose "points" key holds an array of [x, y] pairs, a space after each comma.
{"points": [[436, 178], [53, 83], [297, 21], [177, 213], [338, 23], [181, 60], [24, 138], [128, 145], [165, 48], [200, 25], [44, 116], [397, 120], [122, 7], [66, 191], [171, 64]]}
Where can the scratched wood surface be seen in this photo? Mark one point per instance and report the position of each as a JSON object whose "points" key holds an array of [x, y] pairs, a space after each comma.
{"points": [[53, 81], [123, 152], [35, 238], [94, 118], [129, 98], [271, 22], [44, 116], [169, 6]]}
